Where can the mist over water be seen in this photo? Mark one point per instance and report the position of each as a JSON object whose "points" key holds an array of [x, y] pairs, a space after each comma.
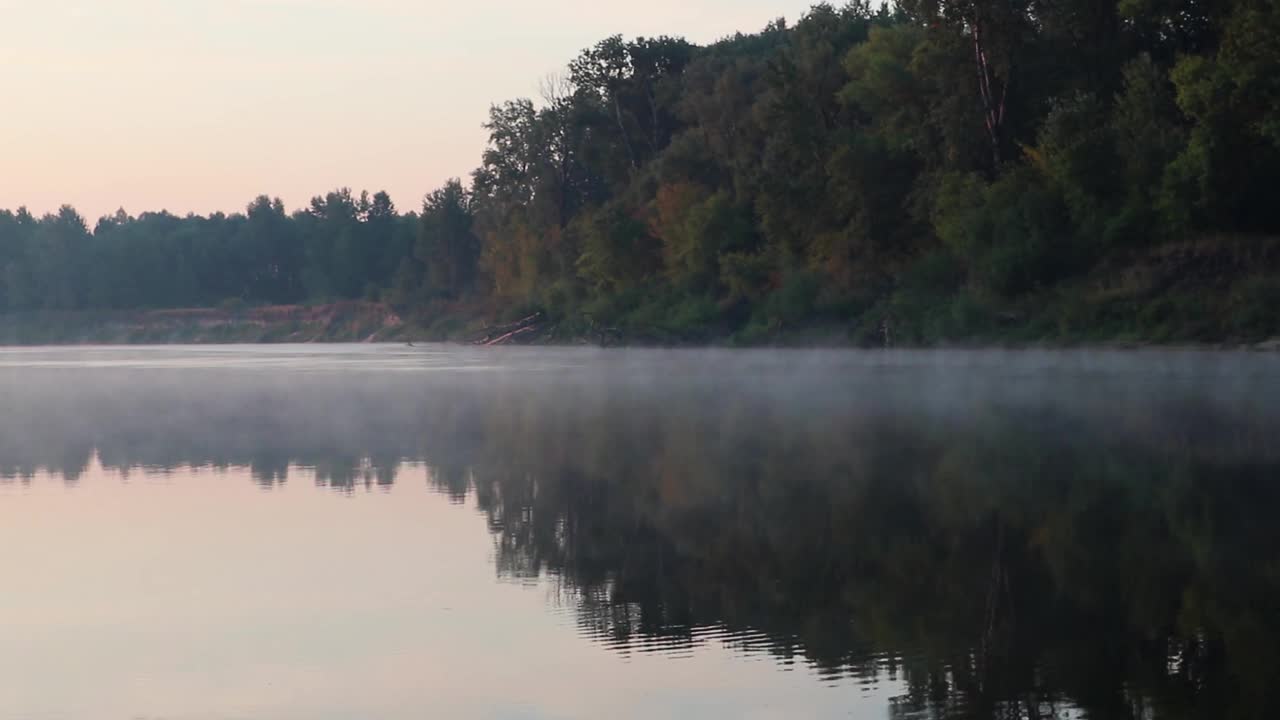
{"points": [[373, 531]]}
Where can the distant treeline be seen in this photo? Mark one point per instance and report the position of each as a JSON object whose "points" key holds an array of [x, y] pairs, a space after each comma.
{"points": [[938, 169]]}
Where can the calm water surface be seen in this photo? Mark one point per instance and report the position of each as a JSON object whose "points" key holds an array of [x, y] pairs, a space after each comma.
{"points": [[390, 532]]}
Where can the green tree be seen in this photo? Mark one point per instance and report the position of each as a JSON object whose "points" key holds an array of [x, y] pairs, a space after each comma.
{"points": [[447, 247]]}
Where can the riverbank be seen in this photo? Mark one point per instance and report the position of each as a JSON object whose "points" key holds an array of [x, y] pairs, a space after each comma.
{"points": [[1212, 292], [352, 321], [375, 323], [1216, 292]]}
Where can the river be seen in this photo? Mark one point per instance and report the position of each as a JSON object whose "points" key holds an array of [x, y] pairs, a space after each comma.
{"points": [[336, 532]]}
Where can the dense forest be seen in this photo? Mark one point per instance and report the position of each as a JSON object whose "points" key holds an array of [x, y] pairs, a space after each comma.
{"points": [[936, 170]]}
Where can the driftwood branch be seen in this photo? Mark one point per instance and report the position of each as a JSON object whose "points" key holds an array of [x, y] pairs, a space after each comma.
{"points": [[506, 333], [511, 335]]}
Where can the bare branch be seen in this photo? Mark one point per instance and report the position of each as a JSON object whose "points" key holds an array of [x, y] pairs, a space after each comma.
{"points": [[555, 88]]}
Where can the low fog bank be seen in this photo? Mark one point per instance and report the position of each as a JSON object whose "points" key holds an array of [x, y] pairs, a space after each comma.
{"points": [[374, 407]]}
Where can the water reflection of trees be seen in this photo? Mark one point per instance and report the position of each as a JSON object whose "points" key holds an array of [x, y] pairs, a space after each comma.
{"points": [[1009, 562], [1109, 549], [1009, 565], [347, 436]]}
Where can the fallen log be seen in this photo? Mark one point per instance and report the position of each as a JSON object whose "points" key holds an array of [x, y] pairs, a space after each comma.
{"points": [[503, 331], [512, 335]]}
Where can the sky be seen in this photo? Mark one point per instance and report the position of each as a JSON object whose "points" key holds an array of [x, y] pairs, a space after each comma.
{"points": [[202, 105]]}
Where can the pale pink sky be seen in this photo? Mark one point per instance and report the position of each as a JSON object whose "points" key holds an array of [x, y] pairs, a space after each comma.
{"points": [[200, 105]]}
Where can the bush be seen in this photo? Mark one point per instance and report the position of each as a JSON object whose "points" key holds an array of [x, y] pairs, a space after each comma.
{"points": [[793, 303], [233, 306], [1255, 307]]}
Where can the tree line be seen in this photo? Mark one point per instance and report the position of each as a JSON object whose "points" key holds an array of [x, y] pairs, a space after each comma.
{"points": [[340, 246], [935, 166]]}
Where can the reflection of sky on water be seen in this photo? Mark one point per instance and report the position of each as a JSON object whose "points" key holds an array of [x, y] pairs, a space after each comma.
{"points": [[196, 595]]}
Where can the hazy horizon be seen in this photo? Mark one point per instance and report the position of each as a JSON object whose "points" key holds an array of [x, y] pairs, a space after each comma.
{"points": [[193, 106]]}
